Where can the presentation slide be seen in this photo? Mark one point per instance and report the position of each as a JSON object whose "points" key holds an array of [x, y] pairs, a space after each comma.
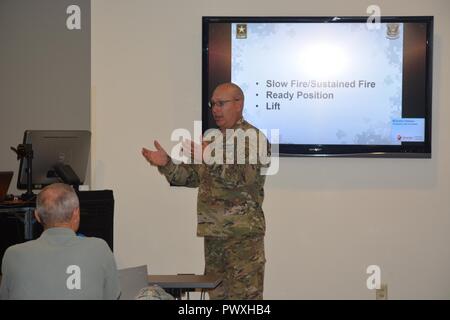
{"points": [[324, 83]]}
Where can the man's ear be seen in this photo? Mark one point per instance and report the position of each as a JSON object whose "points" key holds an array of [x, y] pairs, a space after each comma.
{"points": [[76, 216], [37, 217], [240, 106]]}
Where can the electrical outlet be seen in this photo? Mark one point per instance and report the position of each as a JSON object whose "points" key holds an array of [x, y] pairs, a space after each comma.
{"points": [[382, 293]]}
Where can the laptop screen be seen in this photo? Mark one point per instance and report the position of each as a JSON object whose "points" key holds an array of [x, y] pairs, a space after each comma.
{"points": [[5, 180], [132, 280]]}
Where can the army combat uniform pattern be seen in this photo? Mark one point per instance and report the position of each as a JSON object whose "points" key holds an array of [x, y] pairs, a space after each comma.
{"points": [[230, 217]]}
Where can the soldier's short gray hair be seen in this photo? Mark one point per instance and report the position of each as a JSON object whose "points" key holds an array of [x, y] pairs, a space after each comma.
{"points": [[238, 91], [56, 203]]}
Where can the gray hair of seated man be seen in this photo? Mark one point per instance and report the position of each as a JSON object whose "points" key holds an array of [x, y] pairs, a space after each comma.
{"points": [[56, 204]]}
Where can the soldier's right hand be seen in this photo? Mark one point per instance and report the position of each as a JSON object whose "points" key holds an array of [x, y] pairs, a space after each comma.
{"points": [[158, 157]]}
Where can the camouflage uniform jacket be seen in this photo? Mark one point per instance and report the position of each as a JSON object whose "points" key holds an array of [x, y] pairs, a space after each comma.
{"points": [[230, 196]]}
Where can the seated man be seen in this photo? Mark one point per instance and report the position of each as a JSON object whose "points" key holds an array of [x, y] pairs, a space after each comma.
{"points": [[59, 264]]}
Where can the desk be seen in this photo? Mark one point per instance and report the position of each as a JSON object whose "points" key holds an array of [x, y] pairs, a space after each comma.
{"points": [[23, 211], [17, 224], [178, 284]]}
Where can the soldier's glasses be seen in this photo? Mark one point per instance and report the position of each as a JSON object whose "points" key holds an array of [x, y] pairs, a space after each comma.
{"points": [[220, 103]]}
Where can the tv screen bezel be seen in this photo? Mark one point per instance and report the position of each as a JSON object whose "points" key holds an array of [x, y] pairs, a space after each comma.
{"points": [[412, 150]]}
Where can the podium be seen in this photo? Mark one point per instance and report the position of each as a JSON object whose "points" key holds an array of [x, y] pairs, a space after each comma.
{"points": [[17, 222]]}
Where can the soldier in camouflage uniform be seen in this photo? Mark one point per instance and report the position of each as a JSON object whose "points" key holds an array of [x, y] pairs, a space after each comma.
{"points": [[229, 204]]}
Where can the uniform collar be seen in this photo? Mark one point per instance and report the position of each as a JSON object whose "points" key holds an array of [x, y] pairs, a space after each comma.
{"points": [[238, 123]]}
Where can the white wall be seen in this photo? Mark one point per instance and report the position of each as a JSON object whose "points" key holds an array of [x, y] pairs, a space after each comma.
{"points": [[44, 73], [327, 219]]}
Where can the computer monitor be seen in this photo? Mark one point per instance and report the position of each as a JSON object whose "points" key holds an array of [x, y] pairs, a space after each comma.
{"points": [[52, 148]]}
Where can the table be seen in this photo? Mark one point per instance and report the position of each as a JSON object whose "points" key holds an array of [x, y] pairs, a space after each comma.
{"points": [[180, 283]]}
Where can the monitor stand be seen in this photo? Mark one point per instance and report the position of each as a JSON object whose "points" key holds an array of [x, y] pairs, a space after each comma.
{"points": [[26, 151]]}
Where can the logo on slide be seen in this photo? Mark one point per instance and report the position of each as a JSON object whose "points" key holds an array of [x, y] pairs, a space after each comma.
{"points": [[241, 31], [392, 31]]}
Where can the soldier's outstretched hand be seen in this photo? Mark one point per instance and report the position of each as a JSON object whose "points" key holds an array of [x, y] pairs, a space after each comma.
{"points": [[158, 157]]}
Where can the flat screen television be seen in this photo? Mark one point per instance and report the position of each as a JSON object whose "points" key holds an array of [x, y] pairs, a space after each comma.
{"points": [[51, 148], [331, 86]]}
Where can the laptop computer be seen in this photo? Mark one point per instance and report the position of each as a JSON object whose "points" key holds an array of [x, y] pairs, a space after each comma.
{"points": [[5, 180], [132, 280]]}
